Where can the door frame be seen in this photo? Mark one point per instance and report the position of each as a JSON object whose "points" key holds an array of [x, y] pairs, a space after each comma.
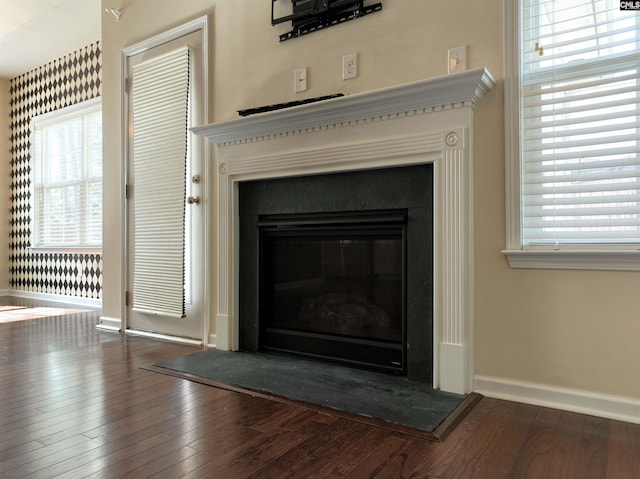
{"points": [[195, 25]]}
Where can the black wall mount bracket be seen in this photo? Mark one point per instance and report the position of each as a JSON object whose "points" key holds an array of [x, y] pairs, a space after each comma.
{"points": [[311, 15]]}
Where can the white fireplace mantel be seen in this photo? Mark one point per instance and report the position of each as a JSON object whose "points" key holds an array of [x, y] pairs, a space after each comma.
{"points": [[429, 121]]}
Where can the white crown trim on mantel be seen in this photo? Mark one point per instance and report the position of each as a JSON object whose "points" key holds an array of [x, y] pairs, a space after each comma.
{"points": [[425, 122], [424, 96]]}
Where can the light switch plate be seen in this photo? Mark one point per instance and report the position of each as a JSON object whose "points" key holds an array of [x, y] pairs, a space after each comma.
{"points": [[457, 59], [300, 80]]}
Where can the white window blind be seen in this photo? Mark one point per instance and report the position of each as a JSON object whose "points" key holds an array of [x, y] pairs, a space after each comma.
{"points": [[580, 123], [160, 98], [67, 177]]}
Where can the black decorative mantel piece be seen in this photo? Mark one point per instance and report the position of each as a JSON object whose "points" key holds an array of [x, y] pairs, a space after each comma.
{"points": [[310, 15]]}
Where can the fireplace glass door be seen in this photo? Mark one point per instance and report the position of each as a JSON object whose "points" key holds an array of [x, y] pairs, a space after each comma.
{"points": [[332, 286]]}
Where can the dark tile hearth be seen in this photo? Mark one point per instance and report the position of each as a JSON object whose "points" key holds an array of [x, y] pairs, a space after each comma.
{"points": [[390, 398]]}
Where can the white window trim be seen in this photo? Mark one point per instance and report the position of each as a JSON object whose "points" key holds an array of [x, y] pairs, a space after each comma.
{"points": [[588, 258], [42, 121]]}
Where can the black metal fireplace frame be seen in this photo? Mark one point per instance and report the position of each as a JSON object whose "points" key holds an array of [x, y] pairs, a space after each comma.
{"points": [[367, 353]]}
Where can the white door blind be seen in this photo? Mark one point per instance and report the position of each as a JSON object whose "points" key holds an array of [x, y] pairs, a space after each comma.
{"points": [[580, 123], [160, 95]]}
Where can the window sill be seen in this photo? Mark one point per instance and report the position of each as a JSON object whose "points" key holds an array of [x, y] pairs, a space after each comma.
{"points": [[607, 260], [67, 249]]}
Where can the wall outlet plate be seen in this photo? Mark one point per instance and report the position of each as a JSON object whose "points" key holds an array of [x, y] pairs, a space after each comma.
{"points": [[350, 66]]}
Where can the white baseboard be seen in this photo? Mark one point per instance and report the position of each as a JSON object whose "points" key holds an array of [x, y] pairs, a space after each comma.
{"points": [[164, 337], [575, 400], [109, 324], [212, 341], [57, 298], [5, 292]]}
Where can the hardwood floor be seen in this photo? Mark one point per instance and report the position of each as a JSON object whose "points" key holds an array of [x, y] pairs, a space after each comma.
{"points": [[75, 403]]}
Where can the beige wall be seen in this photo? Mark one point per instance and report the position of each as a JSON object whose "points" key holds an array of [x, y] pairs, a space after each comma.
{"points": [[556, 328], [4, 184]]}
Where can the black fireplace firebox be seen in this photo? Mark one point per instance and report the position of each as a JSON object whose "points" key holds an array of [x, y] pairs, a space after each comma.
{"points": [[332, 286]]}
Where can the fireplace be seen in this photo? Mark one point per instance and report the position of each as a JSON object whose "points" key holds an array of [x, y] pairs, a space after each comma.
{"points": [[332, 287], [428, 122], [340, 267]]}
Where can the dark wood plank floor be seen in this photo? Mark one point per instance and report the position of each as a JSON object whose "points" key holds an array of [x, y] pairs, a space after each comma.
{"points": [[74, 403]]}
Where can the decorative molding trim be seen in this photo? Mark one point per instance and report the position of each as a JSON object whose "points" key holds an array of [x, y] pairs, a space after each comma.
{"points": [[453, 260], [511, 19], [585, 402], [226, 339], [391, 151], [457, 90], [453, 367], [57, 298], [612, 260], [194, 25]]}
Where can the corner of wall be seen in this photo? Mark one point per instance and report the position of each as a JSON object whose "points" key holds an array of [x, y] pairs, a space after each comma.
{"points": [[4, 184]]}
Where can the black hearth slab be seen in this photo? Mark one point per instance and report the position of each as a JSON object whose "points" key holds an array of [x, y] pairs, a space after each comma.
{"points": [[369, 394]]}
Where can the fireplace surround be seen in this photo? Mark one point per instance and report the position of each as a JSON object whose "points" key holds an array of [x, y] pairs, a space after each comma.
{"points": [[340, 267], [424, 122]]}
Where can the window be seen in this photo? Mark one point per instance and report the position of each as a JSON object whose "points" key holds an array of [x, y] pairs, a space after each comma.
{"points": [[573, 110], [67, 177]]}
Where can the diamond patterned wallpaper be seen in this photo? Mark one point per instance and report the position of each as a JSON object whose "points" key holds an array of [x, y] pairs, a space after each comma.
{"points": [[66, 81]]}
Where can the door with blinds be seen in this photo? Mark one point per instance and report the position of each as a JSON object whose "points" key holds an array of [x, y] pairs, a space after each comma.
{"points": [[165, 189]]}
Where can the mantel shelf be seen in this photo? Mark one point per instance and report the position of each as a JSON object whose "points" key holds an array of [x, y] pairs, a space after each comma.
{"points": [[444, 92]]}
